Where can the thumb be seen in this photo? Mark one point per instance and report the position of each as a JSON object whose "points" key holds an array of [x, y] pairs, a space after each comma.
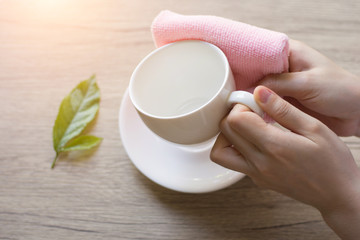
{"points": [[281, 111], [286, 84]]}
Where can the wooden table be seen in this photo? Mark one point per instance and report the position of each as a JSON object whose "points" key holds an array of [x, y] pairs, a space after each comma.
{"points": [[48, 46]]}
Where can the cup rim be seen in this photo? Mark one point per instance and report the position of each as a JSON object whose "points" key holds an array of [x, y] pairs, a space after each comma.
{"points": [[226, 76]]}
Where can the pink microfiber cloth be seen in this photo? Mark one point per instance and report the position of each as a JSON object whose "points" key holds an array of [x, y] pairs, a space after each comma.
{"points": [[252, 52]]}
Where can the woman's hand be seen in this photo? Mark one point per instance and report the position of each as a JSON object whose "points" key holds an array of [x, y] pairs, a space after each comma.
{"points": [[308, 163], [319, 87]]}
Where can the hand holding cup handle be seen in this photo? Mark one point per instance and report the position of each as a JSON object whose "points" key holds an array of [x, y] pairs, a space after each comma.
{"points": [[246, 99]]}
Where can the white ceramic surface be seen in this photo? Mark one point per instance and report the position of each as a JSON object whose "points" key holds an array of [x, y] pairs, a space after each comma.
{"points": [[178, 167], [181, 91]]}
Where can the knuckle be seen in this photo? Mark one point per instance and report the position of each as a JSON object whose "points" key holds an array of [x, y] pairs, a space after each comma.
{"points": [[304, 78], [215, 155], [307, 78], [297, 45], [282, 109], [270, 81], [315, 126], [308, 88], [235, 117]]}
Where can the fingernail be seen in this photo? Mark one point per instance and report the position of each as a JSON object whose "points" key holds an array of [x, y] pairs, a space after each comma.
{"points": [[264, 95]]}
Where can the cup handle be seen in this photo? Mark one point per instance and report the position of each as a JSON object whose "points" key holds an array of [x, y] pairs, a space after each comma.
{"points": [[246, 99]]}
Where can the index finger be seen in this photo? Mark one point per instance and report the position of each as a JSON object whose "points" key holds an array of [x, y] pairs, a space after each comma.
{"points": [[247, 124], [224, 154]]}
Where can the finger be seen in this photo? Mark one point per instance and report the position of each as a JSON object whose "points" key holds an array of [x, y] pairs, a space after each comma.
{"points": [[284, 113], [224, 154], [303, 57], [246, 124], [246, 148], [293, 84], [299, 59], [298, 82]]}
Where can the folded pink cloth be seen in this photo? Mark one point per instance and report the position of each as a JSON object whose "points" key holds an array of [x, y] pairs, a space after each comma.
{"points": [[252, 52]]}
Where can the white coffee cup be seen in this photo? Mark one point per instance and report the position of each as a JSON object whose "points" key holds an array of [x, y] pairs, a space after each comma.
{"points": [[182, 91]]}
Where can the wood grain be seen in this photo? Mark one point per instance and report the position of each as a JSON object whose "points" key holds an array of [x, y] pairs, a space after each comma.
{"points": [[47, 47]]}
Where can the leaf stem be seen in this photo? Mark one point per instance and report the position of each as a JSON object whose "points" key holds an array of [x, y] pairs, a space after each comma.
{"points": [[53, 163]]}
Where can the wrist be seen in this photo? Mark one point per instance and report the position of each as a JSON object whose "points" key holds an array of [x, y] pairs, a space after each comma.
{"points": [[342, 216], [357, 92], [353, 97], [344, 222]]}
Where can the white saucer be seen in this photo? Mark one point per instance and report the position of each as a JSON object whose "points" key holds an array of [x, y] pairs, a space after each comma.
{"points": [[178, 167]]}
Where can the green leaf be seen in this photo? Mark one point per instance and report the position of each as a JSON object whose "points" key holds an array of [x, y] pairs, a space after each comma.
{"points": [[82, 143], [76, 111]]}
